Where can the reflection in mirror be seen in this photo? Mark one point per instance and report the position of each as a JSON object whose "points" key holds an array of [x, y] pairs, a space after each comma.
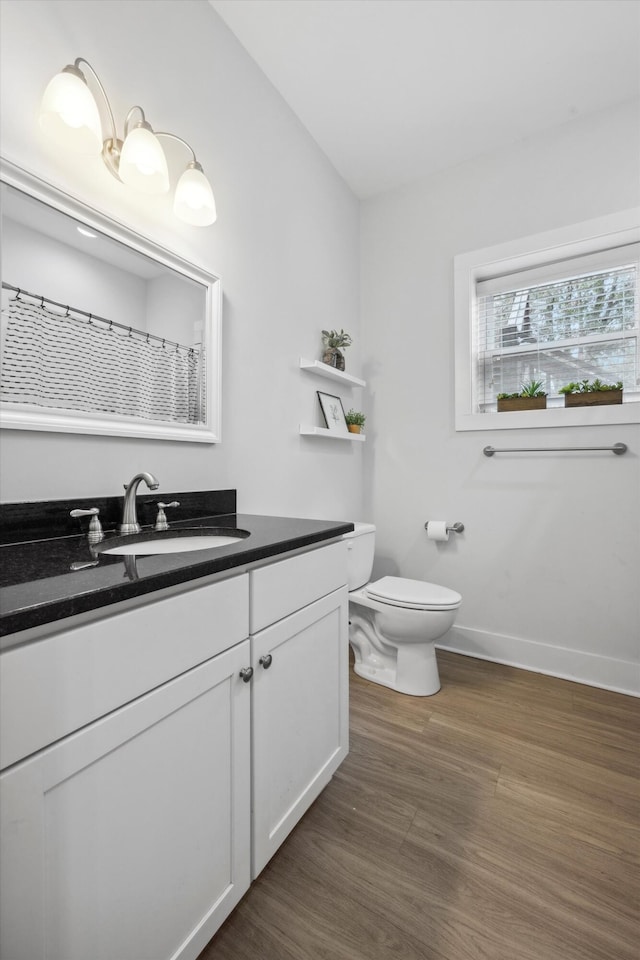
{"points": [[102, 331]]}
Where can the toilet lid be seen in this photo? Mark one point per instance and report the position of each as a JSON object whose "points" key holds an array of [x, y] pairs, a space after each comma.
{"points": [[413, 594]]}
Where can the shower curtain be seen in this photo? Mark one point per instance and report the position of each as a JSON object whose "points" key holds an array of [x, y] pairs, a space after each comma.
{"points": [[56, 360]]}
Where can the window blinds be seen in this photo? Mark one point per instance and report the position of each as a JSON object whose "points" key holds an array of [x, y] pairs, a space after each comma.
{"points": [[565, 321]]}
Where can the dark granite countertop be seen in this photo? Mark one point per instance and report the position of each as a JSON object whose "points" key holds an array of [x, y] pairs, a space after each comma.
{"points": [[45, 580]]}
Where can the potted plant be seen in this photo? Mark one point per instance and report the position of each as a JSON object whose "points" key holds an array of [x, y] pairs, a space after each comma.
{"points": [[355, 421], [596, 393], [334, 343], [530, 397]]}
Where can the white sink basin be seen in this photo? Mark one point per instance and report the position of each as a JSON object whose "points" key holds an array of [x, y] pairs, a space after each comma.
{"points": [[171, 544]]}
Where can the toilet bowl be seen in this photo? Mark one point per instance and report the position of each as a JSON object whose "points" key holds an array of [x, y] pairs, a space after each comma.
{"points": [[394, 622]]}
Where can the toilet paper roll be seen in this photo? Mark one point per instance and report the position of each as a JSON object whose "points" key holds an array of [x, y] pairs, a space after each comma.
{"points": [[437, 530]]}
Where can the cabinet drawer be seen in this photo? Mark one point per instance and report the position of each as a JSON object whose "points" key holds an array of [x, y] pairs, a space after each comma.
{"points": [[54, 686], [281, 588]]}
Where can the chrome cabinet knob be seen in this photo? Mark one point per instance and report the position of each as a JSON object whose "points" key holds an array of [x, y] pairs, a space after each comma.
{"points": [[246, 673], [266, 661]]}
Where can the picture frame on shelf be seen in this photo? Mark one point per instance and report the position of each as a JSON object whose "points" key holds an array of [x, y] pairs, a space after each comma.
{"points": [[333, 413]]}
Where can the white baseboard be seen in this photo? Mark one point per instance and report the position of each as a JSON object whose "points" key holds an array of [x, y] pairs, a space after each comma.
{"points": [[595, 670]]}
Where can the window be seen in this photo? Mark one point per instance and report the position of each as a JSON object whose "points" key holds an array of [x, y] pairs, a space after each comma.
{"points": [[555, 309], [575, 320]]}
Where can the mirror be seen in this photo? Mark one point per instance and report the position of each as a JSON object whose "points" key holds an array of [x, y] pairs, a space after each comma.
{"points": [[103, 331]]}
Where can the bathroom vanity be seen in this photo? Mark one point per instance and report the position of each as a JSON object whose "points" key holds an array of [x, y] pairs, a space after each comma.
{"points": [[158, 748]]}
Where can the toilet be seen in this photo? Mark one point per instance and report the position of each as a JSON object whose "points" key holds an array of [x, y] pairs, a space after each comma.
{"points": [[394, 622]]}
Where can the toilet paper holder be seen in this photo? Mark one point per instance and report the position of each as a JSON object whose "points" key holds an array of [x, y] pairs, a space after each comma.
{"points": [[451, 528]]}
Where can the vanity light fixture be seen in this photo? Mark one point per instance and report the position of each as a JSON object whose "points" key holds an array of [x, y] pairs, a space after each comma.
{"points": [[70, 118]]}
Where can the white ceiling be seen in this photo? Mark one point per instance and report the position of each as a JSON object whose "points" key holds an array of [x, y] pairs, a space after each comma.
{"points": [[395, 90]]}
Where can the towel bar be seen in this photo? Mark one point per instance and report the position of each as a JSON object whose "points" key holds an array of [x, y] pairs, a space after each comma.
{"points": [[618, 448]]}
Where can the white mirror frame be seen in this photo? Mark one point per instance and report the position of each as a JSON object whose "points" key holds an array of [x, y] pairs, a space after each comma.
{"points": [[61, 421]]}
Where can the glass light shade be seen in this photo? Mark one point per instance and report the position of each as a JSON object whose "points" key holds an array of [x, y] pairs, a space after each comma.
{"points": [[69, 115], [143, 164], [194, 201]]}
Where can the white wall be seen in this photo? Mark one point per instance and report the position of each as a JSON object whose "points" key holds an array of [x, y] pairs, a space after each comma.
{"points": [[174, 309], [37, 263], [549, 564], [285, 245]]}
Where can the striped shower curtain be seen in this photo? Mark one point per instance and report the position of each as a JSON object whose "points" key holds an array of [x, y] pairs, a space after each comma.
{"points": [[54, 360]]}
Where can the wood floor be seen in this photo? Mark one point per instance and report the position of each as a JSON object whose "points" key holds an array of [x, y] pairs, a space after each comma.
{"points": [[498, 820]]}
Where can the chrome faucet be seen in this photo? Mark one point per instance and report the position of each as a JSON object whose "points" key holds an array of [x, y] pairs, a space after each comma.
{"points": [[129, 519]]}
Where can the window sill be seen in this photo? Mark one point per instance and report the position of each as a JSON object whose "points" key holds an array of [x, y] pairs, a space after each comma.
{"points": [[551, 417]]}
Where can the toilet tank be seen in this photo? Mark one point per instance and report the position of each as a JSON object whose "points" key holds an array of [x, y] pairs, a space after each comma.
{"points": [[360, 550]]}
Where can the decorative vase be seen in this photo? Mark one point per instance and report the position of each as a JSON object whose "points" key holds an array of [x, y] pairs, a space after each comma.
{"points": [[333, 358], [354, 427], [594, 398]]}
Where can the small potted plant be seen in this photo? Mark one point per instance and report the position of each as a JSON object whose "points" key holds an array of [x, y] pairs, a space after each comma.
{"points": [[530, 397], [591, 394], [355, 421], [334, 343]]}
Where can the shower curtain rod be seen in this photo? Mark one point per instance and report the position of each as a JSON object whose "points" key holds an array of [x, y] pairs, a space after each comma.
{"points": [[618, 448], [92, 316]]}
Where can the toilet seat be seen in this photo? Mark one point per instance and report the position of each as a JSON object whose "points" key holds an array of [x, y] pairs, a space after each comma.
{"points": [[413, 594]]}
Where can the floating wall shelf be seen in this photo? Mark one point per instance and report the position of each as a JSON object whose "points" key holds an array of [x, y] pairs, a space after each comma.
{"points": [[324, 432], [324, 370]]}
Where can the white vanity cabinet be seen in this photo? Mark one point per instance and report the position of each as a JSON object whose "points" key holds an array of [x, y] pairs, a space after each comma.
{"points": [[300, 706], [154, 759]]}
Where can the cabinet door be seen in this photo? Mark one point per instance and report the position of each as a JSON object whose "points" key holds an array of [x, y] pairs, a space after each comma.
{"points": [[300, 722], [130, 838]]}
